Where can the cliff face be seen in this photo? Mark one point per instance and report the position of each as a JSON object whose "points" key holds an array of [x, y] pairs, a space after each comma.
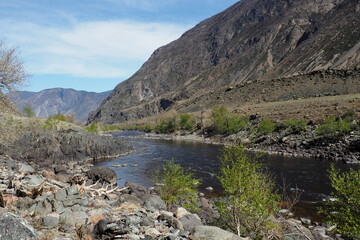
{"points": [[252, 40], [58, 100]]}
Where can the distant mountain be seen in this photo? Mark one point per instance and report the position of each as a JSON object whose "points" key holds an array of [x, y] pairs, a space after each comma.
{"points": [[254, 40], [58, 100]]}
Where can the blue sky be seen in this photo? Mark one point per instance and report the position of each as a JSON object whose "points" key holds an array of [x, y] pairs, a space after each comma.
{"points": [[93, 45]]}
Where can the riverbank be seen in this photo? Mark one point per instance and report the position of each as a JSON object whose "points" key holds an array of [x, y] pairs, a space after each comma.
{"points": [[75, 200], [309, 144]]}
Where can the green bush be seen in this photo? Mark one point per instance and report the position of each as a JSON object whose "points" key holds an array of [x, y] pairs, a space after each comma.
{"points": [[227, 123], [49, 124], [94, 127], [331, 127], [28, 111], [297, 126], [167, 125], [177, 186], [250, 194], [344, 212], [185, 122], [266, 126]]}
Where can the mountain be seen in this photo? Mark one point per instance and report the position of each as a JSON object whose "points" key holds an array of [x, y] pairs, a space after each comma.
{"points": [[254, 40], [58, 100]]}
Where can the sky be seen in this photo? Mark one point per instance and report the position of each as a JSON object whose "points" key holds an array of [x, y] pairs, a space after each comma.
{"points": [[93, 45]]}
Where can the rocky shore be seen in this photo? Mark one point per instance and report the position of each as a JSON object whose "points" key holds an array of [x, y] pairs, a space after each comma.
{"points": [[75, 200], [345, 148]]}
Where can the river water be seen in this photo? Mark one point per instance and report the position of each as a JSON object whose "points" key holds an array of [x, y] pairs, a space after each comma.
{"points": [[308, 175]]}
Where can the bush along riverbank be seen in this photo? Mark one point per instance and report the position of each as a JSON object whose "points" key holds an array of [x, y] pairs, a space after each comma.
{"points": [[75, 200], [335, 138]]}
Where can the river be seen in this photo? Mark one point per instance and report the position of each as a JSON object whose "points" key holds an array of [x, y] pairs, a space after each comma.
{"points": [[310, 176]]}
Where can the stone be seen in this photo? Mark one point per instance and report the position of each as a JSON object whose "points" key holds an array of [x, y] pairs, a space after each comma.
{"points": [[294, 230], [181, 212], [212, 233], [74, 218], [190, 221], [136, 189], [128, 201], [60, 169], [154, 203], [33, 180], [51, 220], [14, 228], [305, 221], [25, 168], [103, 174], [153, 232]]}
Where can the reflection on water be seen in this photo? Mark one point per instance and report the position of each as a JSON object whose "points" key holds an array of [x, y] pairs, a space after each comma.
{"points": [[310, 175]]}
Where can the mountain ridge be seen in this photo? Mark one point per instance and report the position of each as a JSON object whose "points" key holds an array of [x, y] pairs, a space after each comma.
{"points": [[59, 101], [251, 40]]}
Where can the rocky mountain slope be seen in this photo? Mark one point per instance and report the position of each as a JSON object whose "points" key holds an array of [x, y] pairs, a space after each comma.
{"points": [[58, 100], [252, 40]]}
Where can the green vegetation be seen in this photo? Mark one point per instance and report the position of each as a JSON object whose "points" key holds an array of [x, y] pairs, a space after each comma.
{"points": [[182, 122], [297, 126], [64, 118], [332, 127], [227, 123], [344, 212], [28, 111], [177, 186], [250, 193], [266, 126], [93, 127]]}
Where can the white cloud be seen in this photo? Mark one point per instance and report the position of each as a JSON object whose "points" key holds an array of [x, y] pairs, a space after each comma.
{"points": [[88, 49]]}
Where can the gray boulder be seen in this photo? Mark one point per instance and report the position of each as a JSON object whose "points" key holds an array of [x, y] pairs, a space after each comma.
{"points": [[213, 233], [104, 174], [15, 228], [190, 221], [154, 203], [294, 230], [25, 168]]}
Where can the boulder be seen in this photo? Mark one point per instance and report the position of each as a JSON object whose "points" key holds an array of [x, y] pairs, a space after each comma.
{"points": [[60, 169], [190, 221], [154, 203], [294, 230], [213, 233], [15, 228], [104, 174], [25, 168], [136, 189], [128, 201]]}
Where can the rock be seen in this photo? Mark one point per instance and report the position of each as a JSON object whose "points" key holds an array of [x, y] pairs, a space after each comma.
{"points": [[212, 233], [25, 168], [51, 220], [33, 180], [153, 232], [103, 174], [210, 189], [284, 212], [294, 230], [136, 189], [190, 221], [305, 221], [60, 169], [154, 203], [128, 201], [74, 218], [181, 212], [15, 228]]}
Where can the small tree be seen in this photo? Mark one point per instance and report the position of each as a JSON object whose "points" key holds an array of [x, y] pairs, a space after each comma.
{"points": [[28, 111], [333, 128], [185, 122], [344, 212], [12, 71], [250, 193], [226, 122], [177, 185]]}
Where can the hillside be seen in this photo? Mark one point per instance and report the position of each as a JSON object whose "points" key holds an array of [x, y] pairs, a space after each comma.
{"points": [[252, 41], [58, 100]]}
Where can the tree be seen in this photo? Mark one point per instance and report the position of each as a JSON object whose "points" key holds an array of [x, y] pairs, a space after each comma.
{"points": [[178, 186], [12, 71], [250, 194], [344, 211], [28, 111], [227, 123]]}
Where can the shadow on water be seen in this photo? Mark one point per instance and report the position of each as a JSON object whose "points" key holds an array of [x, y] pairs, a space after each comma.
{"points": [[309, 175]]}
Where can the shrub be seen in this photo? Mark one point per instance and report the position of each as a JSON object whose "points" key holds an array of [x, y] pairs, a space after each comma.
{"points": [[250, 194], [177, 185], [94, 127], [185, 122], [49, 124], [28, 111], [227, 123], [266, 126], [167, 125], [345, 211], [297, 126], [331, 127]]}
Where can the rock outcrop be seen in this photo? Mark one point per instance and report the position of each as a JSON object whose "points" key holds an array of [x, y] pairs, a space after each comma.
{"points": [[252, 40]]}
